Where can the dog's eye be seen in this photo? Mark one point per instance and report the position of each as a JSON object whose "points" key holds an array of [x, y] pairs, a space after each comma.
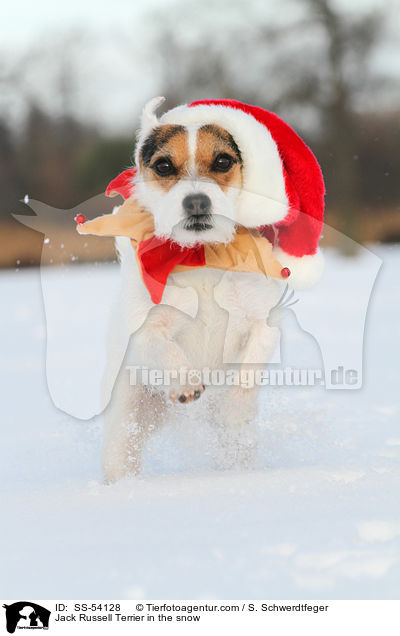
{"points": [[222, 163], [164, 167]]}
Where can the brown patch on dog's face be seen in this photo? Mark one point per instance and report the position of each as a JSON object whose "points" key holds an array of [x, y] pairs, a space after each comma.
{"points": [[164, 155], [218, 157]]}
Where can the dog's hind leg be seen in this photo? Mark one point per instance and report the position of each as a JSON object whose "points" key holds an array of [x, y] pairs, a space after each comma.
{"points": [[133, 414], [235, 421]]}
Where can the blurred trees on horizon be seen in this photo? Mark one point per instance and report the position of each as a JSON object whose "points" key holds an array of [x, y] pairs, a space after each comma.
{"points": [[315, 68]]}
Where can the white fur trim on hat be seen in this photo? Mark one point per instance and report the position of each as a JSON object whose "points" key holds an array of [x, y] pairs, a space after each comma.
{"points": [[263, 200], [305, 271]]}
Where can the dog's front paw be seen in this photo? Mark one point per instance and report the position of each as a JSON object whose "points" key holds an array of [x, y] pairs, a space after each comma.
{"points": [[186, 395]]}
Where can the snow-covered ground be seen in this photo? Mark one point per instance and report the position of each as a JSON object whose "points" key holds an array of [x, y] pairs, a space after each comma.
{"points": [[317, 518]]}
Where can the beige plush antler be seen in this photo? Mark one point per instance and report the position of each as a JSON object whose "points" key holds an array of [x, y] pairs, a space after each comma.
{"points": [[247, 252], [130, 220]]}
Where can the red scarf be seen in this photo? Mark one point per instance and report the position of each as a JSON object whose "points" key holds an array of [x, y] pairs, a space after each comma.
{"points": [[157, 257]]}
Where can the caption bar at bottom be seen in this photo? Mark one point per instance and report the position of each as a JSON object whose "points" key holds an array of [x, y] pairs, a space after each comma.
{"points": [[168, 617]]}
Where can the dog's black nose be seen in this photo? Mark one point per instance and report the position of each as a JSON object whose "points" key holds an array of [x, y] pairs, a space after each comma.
{"points": [[196, 204]]}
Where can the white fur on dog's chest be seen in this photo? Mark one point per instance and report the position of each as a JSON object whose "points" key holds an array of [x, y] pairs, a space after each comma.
{"points": [[250, 294], [204, 335], [209, 313], [224, 299]]}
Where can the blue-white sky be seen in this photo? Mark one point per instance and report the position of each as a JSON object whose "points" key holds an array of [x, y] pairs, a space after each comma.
{"points": [[25, 20], [113, 85]]}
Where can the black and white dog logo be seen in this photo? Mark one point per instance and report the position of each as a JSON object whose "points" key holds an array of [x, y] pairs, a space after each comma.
{"points": [[26, 615]]}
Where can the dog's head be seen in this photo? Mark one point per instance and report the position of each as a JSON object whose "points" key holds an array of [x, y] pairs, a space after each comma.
{"points": [[189, 177]]}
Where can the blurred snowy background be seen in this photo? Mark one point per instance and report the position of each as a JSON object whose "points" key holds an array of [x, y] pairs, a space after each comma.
{"points": [[317, 517]]}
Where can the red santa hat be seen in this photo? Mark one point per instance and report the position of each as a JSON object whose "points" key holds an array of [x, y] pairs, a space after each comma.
{"points": [[283, 189]]}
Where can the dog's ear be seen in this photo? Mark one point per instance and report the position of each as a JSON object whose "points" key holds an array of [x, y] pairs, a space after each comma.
{"points": [[149, 119]]}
